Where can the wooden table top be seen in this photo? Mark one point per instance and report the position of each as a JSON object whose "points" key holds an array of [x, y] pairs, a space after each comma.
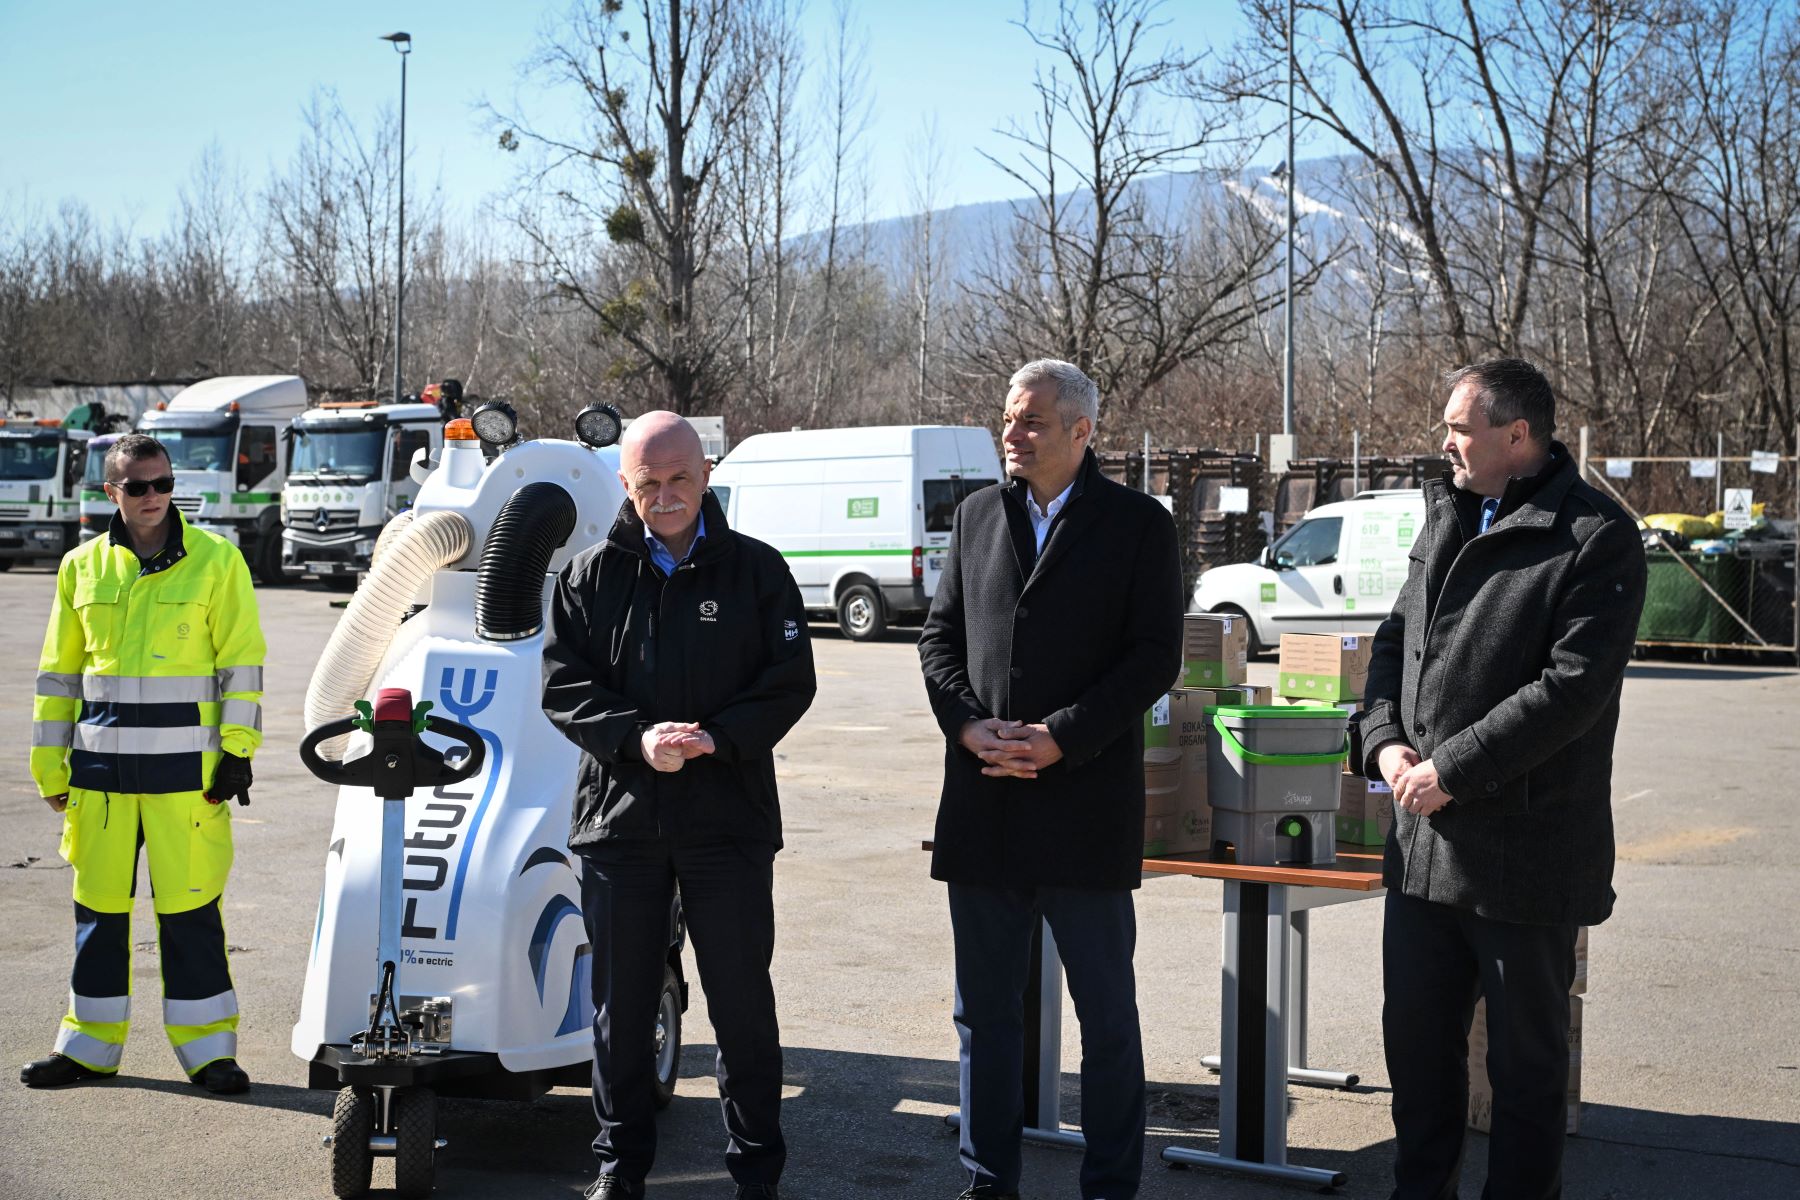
{"points": [[1357, 869]]}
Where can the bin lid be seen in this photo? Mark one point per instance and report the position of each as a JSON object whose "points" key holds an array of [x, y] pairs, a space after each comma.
{"points": [[1283, 712]]}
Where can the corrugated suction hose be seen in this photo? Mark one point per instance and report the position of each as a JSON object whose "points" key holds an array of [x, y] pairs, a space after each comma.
{"points": [[509, 590], [405, 557]]}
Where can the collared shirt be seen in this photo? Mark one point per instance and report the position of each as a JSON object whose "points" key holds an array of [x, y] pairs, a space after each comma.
{"points": [[1042, 517], [1490, 507], [661, 555]]}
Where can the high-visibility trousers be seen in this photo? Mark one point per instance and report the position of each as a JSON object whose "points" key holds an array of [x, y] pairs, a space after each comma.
{"points": [[188, 844]]}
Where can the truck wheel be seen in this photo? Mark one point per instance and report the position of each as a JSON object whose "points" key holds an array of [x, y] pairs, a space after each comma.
{"points": [[6, 564], [859, 613], [415, 1141], [268, 560], [668, 1038], [352, 1121]]}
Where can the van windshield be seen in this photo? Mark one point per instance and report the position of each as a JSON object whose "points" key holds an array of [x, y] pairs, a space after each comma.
{"points": [[1310, 543], [942, 496]]}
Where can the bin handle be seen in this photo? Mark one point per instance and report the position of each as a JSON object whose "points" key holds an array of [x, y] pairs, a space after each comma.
{"points": [[1279, 760]]}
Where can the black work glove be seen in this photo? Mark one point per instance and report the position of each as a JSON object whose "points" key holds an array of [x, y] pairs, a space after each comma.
{"points": [[232, 778]]}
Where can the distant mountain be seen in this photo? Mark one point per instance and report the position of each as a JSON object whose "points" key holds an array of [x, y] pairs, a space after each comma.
{"points": [[964, 232]]}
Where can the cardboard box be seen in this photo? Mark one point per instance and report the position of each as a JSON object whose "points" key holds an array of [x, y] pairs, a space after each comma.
{"points": [[1215, 650], [1481, 1090], [1177, 816], [1324, 666], [1365, 811], [1246, 694], [1349, 706]]}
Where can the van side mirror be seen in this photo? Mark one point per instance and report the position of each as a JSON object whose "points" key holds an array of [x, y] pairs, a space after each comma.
{"points": [[1264, 559]]}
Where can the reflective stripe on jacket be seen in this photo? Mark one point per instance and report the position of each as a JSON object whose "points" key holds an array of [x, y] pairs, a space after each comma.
{"points": [[149, 670]]}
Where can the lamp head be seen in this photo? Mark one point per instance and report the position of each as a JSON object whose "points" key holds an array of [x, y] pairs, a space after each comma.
{"points": [[402, 41]]}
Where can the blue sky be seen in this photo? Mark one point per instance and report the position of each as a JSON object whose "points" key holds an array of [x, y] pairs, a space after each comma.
{"points": [[111, 102]]}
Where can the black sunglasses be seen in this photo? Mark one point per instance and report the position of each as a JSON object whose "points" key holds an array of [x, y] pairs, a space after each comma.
{"points": [[137, 487]]}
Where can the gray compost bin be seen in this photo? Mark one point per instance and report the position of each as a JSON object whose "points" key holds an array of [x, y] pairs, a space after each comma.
{"points": [[1272, 775]]}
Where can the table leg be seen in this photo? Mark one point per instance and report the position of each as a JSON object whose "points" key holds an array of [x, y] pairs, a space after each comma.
{"points": [[1043, 1048], [1299, 931], [1252, 1086]]}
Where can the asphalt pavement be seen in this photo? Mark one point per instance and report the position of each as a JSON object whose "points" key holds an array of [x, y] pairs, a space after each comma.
{"points": [[1690, 1072]]}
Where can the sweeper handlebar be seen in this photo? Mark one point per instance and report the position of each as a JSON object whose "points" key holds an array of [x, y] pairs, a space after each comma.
{"points": [[399, 763]]}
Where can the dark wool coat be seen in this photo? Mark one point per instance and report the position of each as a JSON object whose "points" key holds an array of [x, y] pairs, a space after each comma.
{"points": [[1083, 638], [1502, 664], [721, 641]]}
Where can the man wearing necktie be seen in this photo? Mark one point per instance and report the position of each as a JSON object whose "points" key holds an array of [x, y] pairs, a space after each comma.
{"points": [[1492, 701], [1056, 624]]}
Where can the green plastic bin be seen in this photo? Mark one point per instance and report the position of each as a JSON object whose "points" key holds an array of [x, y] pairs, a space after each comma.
{"points": [[1677, 608]]}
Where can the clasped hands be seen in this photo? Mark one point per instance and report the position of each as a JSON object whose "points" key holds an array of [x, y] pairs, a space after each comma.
{"points": [[668, 745], [1010, 748], [1415, 782]]}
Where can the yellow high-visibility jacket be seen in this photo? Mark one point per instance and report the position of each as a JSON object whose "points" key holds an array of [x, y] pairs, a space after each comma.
{"points": [[149, 669]]}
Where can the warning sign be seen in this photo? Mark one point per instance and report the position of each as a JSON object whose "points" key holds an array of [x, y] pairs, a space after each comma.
{"points": [[1738, 508]]}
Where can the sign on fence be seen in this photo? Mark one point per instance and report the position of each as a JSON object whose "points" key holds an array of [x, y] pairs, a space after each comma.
{"points": [[1703, 468], [1618, 468], [1738, 508], [1234, 499], [1765, 461]]}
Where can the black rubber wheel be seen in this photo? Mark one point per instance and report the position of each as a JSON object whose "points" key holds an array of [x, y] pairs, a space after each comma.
{"points": [[6, 564], [415, 1141], [352, 1121], [265, 560], [860, 614], [668, 1038]]}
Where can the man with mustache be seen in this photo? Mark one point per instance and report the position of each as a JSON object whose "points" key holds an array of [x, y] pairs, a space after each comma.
{"points": [[1493, 698], [676, 656]]}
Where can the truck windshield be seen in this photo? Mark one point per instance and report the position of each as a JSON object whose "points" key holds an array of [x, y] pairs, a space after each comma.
{"points": [[28, 458], [95, 475], [355, 451], [197, 450]]}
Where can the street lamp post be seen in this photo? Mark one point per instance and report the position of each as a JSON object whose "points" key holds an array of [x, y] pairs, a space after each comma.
{"points": [[1287, 353], [403, 44]]}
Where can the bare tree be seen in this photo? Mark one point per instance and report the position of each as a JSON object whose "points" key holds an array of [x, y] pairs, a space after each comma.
{"points": [[847, 106], [643, 166]]}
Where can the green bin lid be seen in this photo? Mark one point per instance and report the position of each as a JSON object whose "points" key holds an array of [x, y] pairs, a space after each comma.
{"points": [[1284, 712]]}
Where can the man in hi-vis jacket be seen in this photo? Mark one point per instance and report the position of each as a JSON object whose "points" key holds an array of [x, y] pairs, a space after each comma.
{"points": [[148, 708]]}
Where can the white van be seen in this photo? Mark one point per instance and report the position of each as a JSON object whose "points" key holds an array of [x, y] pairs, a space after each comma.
{"points": [[861, 515], [1339, 570]]}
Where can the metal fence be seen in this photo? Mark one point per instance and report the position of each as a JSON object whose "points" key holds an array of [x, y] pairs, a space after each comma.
{"points": [[1720, 543]]}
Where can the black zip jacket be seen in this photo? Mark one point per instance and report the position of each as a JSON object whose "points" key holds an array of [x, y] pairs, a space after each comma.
{"points": [[722, 641]]}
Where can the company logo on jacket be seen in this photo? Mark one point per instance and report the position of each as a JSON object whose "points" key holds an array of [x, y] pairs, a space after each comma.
{"points": [[709, 610]]}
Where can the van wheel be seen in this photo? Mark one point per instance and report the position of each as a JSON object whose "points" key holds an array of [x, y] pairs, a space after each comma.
{"points": [[668, 1040], [859, 613]]}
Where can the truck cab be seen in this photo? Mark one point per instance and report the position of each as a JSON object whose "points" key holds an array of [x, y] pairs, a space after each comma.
{"points": [[41, 465], [97, 507], [228, 441], [349, 476]]}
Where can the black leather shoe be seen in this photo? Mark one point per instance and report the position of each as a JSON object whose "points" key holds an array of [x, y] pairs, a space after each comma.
{"points": [[222, 1077], [612, 1187], [756, 1191], [984, 1192], [59, 1070]]}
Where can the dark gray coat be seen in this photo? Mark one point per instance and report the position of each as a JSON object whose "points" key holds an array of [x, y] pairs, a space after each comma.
{"points": [[1502, 663], [1083, 638]]}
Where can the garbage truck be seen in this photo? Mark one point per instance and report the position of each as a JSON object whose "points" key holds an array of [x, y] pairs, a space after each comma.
{"points": [[96, 506], [351, 474], [41, 465], [228, 440]]}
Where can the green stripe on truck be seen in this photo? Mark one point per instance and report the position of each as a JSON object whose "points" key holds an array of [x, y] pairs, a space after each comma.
{"points": [[841, 553]]}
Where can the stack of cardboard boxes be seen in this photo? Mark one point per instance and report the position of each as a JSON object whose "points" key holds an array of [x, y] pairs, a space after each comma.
{"points": [[1331, 668], [1481, 1090], [1177, 814]]}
